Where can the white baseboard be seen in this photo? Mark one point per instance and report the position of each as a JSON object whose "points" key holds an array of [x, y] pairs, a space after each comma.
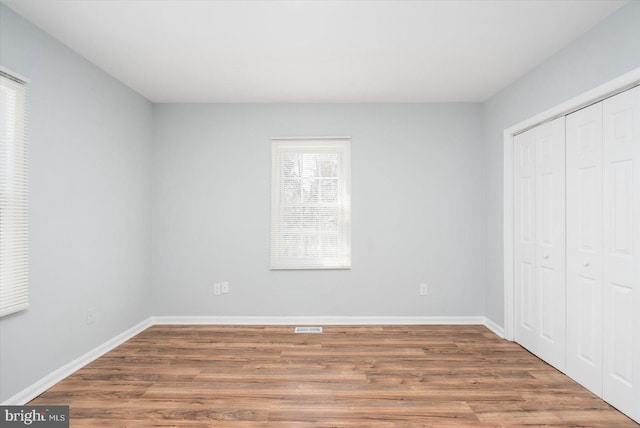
{"points": [[68, 369], [491, 325], [319, 320], [330, 320], [56, 376]]}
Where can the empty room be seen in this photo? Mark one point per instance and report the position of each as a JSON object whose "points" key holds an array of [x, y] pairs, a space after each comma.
{"points": [[326, 213]]}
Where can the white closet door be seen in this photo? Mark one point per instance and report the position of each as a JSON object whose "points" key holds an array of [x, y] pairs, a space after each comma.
{"points": [[584, 247], [550, 238], [540, 241], [525, 243], [621, 259]]}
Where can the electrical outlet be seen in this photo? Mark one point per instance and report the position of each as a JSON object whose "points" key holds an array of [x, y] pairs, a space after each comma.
{"points": [[217, 288], [91, 316], [224, 287], [424, 289]]}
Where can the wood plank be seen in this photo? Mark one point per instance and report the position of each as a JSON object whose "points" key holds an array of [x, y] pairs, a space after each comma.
{"points": [[349, 376]]}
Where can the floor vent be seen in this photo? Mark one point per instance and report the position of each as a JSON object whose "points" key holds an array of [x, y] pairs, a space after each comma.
{"points": [[308, 330]]}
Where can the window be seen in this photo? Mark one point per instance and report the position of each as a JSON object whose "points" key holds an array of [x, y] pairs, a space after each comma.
{"points": [[311, 203], [14, 186]]}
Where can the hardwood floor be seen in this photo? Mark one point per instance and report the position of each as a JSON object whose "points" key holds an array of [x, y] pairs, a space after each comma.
{"points": [[349, 376]]}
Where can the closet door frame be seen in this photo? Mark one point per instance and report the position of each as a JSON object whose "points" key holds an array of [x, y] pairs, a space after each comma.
{"points": [[599, 93]]}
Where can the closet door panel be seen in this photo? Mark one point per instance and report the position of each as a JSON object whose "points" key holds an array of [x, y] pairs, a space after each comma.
{"points": [[621, 262], [585, 293], [525, 232], [550, 242], [539, 195]]}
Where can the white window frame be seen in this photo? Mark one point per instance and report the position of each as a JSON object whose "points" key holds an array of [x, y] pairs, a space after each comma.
{"points": [[279, 259], [14, 194]]}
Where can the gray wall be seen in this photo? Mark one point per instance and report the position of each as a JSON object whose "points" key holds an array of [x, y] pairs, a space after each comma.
{"points": [[609, 50], [90, 199], [418, 205]]}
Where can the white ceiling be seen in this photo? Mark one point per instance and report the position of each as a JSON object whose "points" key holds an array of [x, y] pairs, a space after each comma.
{"points": [[316, 51]]}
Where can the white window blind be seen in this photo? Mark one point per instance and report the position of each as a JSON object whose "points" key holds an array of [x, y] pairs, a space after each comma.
{"points": [[311, 203], [14, 190]]}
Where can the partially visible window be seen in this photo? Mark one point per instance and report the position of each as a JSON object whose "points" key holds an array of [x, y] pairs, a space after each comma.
{"points": [[311, 203], [14, 191]]}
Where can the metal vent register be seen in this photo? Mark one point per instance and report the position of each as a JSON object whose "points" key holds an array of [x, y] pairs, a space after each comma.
{"points": [[308, 330]]}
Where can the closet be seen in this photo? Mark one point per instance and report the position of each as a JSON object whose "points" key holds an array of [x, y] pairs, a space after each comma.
{"points": [[577, 246]]}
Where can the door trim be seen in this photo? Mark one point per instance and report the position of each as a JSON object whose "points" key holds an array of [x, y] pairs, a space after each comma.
{"points": [[594, 95]]}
